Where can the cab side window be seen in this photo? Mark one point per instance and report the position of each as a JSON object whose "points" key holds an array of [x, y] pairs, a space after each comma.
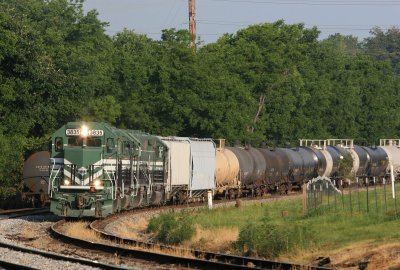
{"points": [[110, 145], [58, 144], [120, 147], [127, 147]]}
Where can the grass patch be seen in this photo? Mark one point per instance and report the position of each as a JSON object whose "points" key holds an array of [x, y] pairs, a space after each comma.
{"points": [[132, 230], [81, 230], [262, 229], [171, 227], [215, 239]]}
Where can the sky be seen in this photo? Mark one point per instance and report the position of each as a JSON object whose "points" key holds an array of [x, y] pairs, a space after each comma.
{"points": [[216, 17]]}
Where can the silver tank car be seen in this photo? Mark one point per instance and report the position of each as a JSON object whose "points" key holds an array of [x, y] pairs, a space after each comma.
{"points": [[226, 168], [392, 149], [320, 161], [360, 160], [246, 164], [295, 165], [275, 161], [259, 166], [310, 162], [252, 165], [338, 153], [378, 161], [36, 178]]}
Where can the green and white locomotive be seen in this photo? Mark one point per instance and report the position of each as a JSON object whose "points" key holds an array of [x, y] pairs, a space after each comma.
{"points": [[97, 169]]}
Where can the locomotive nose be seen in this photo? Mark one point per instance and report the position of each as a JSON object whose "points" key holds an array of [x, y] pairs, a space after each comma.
{"points": [[80, 162], [82, 157]]}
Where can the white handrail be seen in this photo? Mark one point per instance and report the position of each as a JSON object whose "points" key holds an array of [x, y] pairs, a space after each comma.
{"points": [[113, 190], [52, 180]]}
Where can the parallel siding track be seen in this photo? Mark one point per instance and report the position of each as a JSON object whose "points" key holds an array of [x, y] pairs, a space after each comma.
{"points": [[16, 213], [55, 257], [9, 265], [201, 260]]}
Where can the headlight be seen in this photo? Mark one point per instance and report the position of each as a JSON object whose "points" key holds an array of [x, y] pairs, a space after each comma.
{"points": [[97, 183], [67, 182], [84, 131]]}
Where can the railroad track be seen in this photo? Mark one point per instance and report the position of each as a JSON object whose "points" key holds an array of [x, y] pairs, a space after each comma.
{"points": [[10, 265], [15, 213], [54, 256], [162, 253]]}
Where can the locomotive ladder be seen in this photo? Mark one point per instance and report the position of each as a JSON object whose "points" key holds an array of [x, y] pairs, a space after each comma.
{"points": [[53, 176], [110, 179]]}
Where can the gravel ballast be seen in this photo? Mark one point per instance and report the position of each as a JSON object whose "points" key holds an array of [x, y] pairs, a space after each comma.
{"points": [[34, 227]]}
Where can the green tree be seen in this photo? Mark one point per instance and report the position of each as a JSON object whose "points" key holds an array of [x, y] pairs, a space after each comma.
{"points": [[267, 58], [385, 46], [54, 60]]}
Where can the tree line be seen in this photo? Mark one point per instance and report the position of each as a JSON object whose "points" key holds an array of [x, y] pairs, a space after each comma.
{"points": [[268, 83]]}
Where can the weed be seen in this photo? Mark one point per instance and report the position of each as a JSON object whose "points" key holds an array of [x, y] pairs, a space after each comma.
{"points": [[269, 238], [172, 228]]}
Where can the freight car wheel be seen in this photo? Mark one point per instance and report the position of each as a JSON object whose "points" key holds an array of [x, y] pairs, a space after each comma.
{"points": [[290, 188], [231, 194], [182, 197], [284, 188]]}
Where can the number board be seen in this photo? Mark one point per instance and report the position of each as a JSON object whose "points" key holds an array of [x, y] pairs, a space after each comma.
{"points": [[77, 132], [95, 132], [73, 132]]}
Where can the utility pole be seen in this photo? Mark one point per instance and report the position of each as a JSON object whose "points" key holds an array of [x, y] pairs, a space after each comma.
{"points": [[192, 22]]}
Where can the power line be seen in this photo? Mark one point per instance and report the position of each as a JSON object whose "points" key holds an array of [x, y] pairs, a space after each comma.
{"points": [[167, 19], [356, 27], [317, 3]]}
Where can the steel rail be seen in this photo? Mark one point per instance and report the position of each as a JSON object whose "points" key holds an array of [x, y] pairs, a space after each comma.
{"points": [[55, 256], [23, 212], [210, 261], [241, 261], [2, 212], [10, 265]]}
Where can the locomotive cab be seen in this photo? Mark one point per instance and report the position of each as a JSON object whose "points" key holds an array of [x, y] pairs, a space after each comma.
{"points": [[78, 181], [97, 170]]}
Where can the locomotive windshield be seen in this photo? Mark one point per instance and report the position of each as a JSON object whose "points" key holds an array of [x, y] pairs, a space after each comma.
{"points": [[78, 141], [75, 141]]}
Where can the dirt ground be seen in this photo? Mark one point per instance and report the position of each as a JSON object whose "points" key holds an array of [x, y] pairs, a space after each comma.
{"points": [[367, 254]]}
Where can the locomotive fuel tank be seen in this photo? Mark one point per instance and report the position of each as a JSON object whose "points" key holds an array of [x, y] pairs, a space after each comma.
{"points": [[226, 167], [378, 161]]}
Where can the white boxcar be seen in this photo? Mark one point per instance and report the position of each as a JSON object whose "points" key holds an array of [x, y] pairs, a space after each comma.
{"points": [[191, 166], [203, 164], [179, 164]]}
